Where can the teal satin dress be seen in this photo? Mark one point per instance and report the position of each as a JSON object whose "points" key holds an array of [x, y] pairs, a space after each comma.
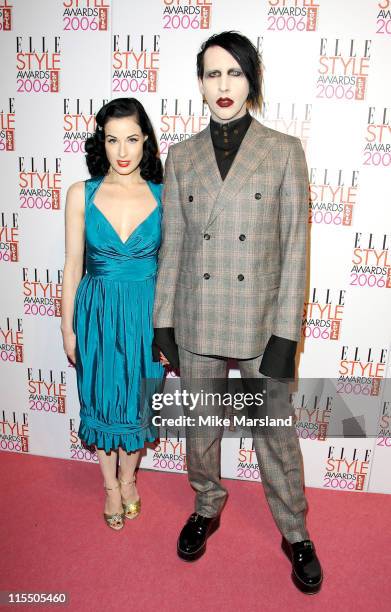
{"points": [[114, 329]]}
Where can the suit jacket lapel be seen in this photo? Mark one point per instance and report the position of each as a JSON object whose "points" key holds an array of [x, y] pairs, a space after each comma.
{"points": [[255, 146], [204, 161]]}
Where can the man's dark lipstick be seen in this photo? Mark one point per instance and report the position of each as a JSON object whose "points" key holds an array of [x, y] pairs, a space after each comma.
{"points": [[225, 102]]}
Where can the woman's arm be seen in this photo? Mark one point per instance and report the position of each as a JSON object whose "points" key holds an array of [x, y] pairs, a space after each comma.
{"points": [[73, 267]]}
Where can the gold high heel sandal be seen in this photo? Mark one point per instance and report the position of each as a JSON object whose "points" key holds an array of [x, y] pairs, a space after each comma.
{"points": [[131, 509], [114, 521]]}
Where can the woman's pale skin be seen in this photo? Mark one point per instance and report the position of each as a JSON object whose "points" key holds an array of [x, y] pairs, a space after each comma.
{"points": [[126, 200]]}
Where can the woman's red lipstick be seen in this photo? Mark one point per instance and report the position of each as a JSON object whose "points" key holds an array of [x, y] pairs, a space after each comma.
{"points": [[225, 102], [123, 162]]}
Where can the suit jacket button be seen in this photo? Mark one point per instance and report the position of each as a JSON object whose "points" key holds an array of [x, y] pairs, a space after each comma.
{"points": [[258, 196], [207, 236], [191, 198], [206, 276], [242, 237], [240, 277]]}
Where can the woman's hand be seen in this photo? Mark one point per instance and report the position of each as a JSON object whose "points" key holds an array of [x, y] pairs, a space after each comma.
{"points": [[163, 359], [69, 343]]}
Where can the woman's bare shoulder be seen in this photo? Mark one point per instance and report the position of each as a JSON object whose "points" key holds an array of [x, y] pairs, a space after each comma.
{"points": [[76, 189], [75, 196]]}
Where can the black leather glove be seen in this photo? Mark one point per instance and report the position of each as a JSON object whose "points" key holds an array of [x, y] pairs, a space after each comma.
{"points": [[164, 341], [278, 359]]}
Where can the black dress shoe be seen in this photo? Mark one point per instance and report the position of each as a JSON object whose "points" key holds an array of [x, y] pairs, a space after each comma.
{"points": [[192, 539], [306, 570]]}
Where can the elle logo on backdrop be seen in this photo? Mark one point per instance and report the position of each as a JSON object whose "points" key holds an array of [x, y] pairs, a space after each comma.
{"points": [[187, 14], [42, 292], [79, 122], [170, 454], [347, 468], [383, 17], [46, 391], [135, 64], [38, 64], [377, 150], [333, 194], [7, 125], [14, 432], [40, 183], [343, 69], [292, 15], [5, 16], [384, 431], [289, 117], [77, 450], [312, 415], [85, 15], [371, 260], [361, 369], [11, 341], [9, 237], [247, 467], [180, 119], [323, 315]]}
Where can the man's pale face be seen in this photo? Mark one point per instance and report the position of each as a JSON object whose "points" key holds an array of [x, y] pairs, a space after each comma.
{"points": [[224, 85]]}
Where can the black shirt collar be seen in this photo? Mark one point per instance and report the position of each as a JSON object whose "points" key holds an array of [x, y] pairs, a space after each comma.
{"points": [[228, 136]]}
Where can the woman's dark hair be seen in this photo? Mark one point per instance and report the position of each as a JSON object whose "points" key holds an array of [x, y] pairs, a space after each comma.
{"points": [[247, 56], [151, 168]]}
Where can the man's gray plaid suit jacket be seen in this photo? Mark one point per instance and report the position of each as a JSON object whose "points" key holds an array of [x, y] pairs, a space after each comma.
{"points": [[232, 264]]}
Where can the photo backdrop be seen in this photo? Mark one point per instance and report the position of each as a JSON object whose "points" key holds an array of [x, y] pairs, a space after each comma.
{"points": [[326, 81]]}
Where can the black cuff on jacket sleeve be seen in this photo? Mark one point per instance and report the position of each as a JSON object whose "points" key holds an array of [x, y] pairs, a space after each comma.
{"points": [[278, 359], [164, 340]]}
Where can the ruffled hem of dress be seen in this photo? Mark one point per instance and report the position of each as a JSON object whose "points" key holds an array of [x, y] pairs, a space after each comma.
{"points": [[109, 441]]}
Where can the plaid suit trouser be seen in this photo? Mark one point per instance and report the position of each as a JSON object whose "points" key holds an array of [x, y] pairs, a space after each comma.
{"points": [[278, 452]]}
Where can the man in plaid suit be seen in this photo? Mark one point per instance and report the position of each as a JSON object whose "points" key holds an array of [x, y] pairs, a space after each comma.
{"points": [[231, 283]]}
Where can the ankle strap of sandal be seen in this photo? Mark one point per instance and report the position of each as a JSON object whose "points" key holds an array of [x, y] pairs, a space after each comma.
{"points": [[111, 488], [125, 482]]}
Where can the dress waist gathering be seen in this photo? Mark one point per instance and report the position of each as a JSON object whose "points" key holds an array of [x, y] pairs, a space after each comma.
{"points": [[127, 269]]}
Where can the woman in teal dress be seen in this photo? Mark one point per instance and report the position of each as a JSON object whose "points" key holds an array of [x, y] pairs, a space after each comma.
{"points": [[113, 222]]}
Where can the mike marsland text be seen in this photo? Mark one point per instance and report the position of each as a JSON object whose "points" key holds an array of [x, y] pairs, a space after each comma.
{"points": [[215, 421]]}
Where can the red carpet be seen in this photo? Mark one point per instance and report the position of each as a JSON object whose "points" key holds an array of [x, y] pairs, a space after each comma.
{"points": [[54, 539]]}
